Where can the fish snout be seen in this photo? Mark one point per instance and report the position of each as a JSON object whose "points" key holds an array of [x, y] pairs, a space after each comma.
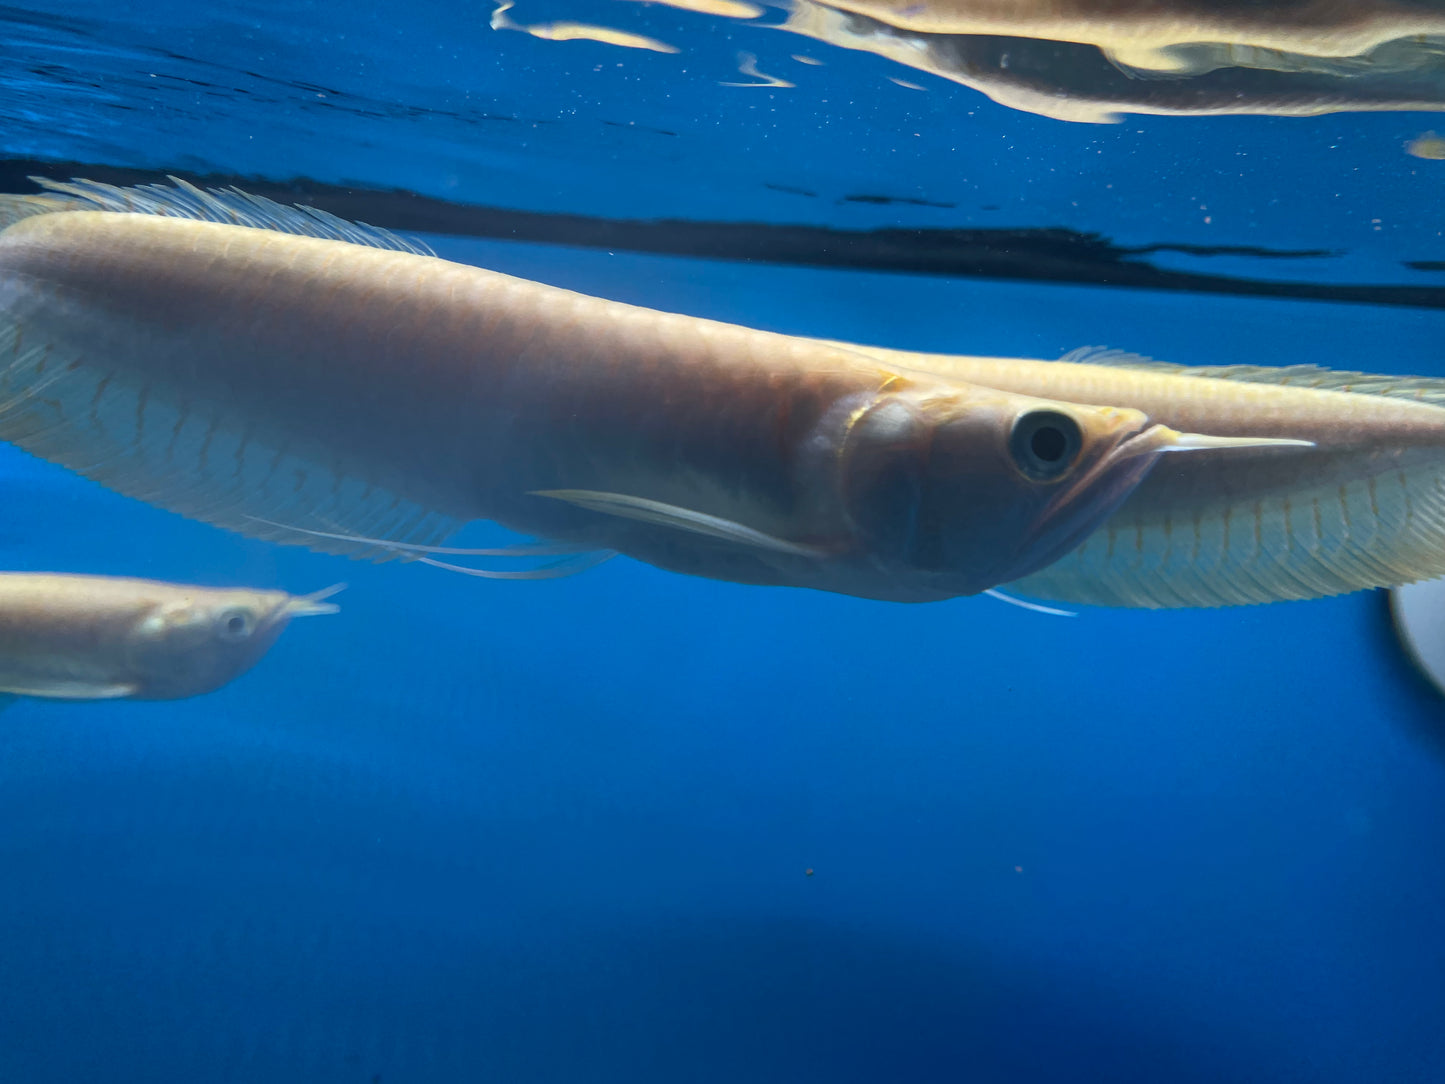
{"points": [[187, 648]]}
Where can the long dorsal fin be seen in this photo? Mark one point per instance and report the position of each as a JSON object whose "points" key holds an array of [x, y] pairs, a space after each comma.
{"points": [[1423, 389], [13, 208], [181, 199]]}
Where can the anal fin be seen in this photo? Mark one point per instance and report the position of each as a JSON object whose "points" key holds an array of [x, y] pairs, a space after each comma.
{"points": [[202, 460]]}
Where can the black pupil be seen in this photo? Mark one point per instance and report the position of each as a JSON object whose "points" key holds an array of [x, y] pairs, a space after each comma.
{"points": [[1044, 444], [236, 624], [1049, 444]]}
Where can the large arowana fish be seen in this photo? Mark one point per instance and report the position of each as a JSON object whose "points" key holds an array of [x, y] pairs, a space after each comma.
{"points": [[292, 376]]}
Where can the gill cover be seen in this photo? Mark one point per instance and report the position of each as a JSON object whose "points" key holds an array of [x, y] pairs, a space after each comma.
{"points": [[189, 646]]}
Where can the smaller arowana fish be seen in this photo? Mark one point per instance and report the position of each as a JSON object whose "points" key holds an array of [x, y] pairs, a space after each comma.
{"points": [[68, 637]]}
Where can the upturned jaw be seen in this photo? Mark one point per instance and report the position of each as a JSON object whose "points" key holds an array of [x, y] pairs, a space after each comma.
{"points": [[1109, 482], [1158, 439], [314, 604], [1089, 499]]}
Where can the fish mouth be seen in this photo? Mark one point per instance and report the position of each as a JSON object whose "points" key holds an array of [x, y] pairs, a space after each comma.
{"points": [[314, 604], [1109, 482], [1100, 489]]}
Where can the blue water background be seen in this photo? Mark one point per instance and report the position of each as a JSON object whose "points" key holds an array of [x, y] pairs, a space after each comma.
{"points": [[561, 831]]}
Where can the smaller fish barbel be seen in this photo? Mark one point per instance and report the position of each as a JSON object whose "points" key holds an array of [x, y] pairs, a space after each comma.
{"points": [[72, 637]]}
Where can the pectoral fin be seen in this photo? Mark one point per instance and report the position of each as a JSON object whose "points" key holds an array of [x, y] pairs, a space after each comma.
{"points": [[682, 519], [67, 689]]}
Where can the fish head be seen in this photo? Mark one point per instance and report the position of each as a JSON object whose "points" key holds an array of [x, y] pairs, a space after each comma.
{"points": [[961, 488], [204, 639]]}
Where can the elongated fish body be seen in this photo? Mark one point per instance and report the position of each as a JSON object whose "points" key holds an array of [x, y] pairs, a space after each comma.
{"points": [[350, 384], [74, 637], [1364, 507]]}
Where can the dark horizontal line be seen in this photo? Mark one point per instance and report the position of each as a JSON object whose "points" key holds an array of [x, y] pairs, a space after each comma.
{"points": [[1234, 250], [1045, 254], [882, 201]]}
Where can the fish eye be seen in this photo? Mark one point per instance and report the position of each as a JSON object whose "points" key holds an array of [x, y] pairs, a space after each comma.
{"points": [[1045, 444], [235, 624]]}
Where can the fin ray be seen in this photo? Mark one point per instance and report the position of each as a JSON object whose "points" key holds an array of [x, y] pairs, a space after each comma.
{"points": [[196, 460], [522, 549], [15, 207], [555, 571], [181, 199], [1329, 540], [576, 558], [683, 519], [1424, 389]]}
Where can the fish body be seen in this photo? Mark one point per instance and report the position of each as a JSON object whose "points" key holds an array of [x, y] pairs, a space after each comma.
{"points": [[74, 637], [1363, 507], [348, 384]]}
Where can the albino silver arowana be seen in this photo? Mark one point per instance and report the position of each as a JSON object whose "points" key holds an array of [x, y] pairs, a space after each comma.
{"points": [[72, 637], [283, 373]]}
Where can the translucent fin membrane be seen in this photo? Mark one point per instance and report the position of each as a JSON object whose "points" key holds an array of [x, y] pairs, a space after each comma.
{"points": [[13, 208], [1372, 532], [558, 569], [579, 558], [682, 519], [1419, 388], [184, 200], [193, 459]]}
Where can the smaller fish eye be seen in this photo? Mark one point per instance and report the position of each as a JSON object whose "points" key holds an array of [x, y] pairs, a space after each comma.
{"points": [[1045, 444], [235, 624]]}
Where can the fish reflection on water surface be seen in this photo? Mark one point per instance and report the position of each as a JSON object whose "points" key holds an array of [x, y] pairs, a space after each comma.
{"points": [[1088, 62], [286, 374], [1091, 60], [1144, 33]]}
